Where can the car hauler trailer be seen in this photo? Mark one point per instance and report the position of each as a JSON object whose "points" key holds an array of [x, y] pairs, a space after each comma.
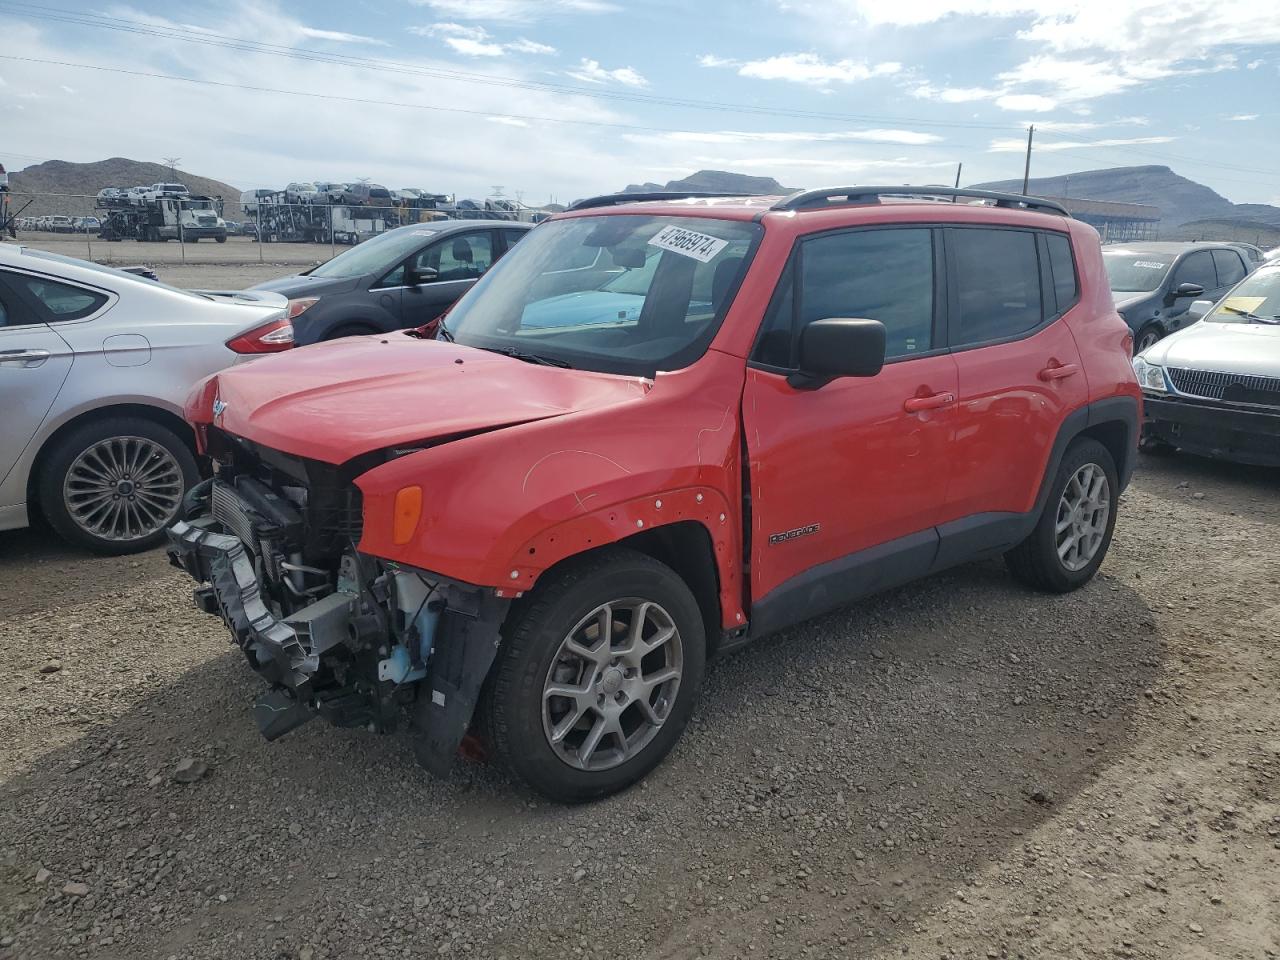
{"points": [[138, 216]]}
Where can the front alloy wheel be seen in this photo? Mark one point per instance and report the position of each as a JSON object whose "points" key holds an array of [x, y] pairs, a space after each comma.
{"points": [[597, 675], [612, 684]]}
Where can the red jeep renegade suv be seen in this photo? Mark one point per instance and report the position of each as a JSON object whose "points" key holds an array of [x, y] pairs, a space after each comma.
{"points": [[660, 427]]}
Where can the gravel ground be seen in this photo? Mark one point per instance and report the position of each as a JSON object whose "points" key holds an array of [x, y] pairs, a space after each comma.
{"points": [[956, 769]]}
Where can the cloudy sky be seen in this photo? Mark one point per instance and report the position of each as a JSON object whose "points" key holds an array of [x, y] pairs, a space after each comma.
{"points": [[564, 98]]}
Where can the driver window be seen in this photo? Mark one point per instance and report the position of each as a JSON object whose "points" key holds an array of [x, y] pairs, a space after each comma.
{"points": [[463, 257], [1197, 268]]}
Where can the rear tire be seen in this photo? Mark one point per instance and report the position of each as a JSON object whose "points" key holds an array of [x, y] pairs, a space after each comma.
{"points": [[1074, 531], [619, 718], [87, 481]]}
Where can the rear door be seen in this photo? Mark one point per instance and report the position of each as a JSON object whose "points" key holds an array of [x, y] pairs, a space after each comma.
{"points": [[860, 463], [34, 363], [1019, 373], [452, 265]]}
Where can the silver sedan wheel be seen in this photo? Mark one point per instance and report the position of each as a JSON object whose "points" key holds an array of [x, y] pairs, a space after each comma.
{"points": [[123, 488], [612, 684], [1083, 512]]}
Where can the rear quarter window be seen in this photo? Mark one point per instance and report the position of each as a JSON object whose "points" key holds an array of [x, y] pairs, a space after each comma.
{"points": [[62, 300], [1062, 265]]}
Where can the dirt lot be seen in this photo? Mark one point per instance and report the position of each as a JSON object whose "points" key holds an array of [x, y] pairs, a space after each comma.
{"points": [[238, 263], [956, 769]]}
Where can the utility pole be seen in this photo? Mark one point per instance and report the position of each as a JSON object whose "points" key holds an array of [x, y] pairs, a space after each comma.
{"points": [[172, 163], [1026, 171], [959, 167]]}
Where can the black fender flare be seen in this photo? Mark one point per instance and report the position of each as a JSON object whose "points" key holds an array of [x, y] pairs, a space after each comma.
{"points": [[1124, 410]]}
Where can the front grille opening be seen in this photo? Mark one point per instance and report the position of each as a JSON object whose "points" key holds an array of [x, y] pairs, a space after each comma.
{"points": [[1228, 387]]}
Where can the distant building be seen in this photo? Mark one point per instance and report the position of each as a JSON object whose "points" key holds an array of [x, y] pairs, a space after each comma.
{"points": [[1115, 222]]}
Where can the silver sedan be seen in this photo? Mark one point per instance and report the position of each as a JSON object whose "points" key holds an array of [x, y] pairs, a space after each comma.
{"points": [[95, 365]]}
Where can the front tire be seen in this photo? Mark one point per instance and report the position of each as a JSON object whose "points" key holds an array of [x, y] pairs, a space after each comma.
{"points": [[349, 330], [1147, 337], [597, 676], [113, 486], [1074, 531]]}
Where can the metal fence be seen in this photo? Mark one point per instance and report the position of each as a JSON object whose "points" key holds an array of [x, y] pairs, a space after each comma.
{"points": [[118, 226]]}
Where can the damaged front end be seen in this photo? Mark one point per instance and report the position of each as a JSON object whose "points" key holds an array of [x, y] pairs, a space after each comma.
{"points": [[271, 541]]}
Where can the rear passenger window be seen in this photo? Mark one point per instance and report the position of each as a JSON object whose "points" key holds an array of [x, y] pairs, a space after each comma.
{"points": [[1063, 267], [1230, 267], [997, 281], [884, 275], [62, 300]]}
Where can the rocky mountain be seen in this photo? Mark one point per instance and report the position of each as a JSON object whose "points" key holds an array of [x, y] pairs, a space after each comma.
{"points": [[716, 181], [1180, 200], [76, 184]]}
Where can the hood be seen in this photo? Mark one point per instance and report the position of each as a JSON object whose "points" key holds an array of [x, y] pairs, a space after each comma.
{"points": [[299, 285], [335, 401], [1241, 348]]}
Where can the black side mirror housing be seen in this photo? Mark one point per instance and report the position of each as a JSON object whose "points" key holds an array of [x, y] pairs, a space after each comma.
{"points": [[839, 347], [416, 278], [1188, 290]]}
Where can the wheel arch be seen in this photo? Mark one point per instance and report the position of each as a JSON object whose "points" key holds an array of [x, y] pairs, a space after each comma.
{"points": [[157, 415], [1113, 422], [686, 547]]}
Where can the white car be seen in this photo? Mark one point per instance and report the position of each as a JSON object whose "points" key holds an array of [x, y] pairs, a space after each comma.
{"points": [[1213, 388], [95, 366], [1272, 254]]}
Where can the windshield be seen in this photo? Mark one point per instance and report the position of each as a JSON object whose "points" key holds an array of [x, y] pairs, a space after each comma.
{"points": [[375, 256], [1130, 272], [652, 302], [1255, 300]]}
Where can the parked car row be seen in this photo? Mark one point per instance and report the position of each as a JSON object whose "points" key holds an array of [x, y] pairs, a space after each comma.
{"points": [[58, 224]]}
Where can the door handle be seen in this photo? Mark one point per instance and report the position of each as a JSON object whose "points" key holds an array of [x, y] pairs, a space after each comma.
{"points": [[1059, 371], [916, 404], [24, 358]]}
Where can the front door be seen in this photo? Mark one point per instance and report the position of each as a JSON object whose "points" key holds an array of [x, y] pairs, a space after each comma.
{"points": [[447, 269], [848, 480], [34, 362]]}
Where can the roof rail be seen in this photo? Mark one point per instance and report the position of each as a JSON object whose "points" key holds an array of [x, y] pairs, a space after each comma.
{"points": [[614, 199], [852, 195]]}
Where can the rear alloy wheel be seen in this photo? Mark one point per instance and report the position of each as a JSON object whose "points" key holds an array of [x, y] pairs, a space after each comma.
{"points": [[1147, 337], [1074, 531], [116, 485], [597, 676]]}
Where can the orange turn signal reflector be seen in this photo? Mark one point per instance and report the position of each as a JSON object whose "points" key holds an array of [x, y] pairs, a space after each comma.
{"points": [[408, 510]]}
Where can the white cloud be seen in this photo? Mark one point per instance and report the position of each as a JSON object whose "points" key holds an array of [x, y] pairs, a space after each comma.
{"points": [[1033, 102], [476, 41], [65, 88], [474, 48], [1020, 145], [337, 36], [926, 91], [1244, 116], [1253, 65], [906, 137], [590, 71], [509, 121], [518, 11], [806, 68]]}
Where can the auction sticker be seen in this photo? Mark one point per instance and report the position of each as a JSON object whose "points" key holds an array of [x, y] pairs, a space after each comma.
{"points": [[1149, 264], [688, 243]]}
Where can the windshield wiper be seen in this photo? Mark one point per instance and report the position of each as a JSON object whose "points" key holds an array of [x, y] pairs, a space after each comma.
{"points": [[1251, 316], [444, 333], [527, 357]]}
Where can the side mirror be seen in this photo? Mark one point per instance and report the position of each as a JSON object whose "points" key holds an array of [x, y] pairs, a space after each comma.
{"points": [[838, 347], [1188, 290], [416, 278], [1198, 309]]}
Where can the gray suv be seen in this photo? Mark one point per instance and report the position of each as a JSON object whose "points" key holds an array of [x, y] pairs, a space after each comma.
{"points": [[403, 278]]}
